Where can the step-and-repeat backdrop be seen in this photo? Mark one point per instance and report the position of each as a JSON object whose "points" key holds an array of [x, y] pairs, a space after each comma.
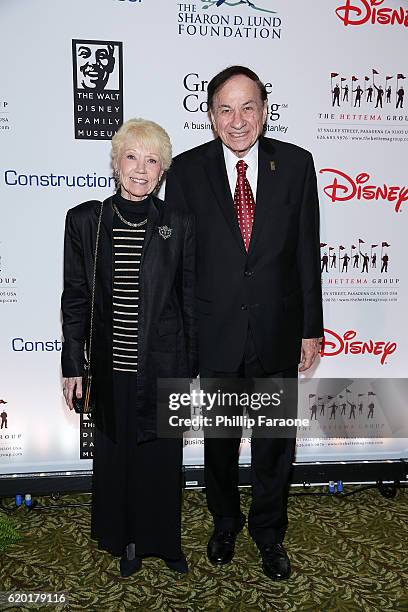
{"points": [[71, 72]]}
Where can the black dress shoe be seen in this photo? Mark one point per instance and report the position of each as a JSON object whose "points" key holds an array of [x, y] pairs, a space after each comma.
{"points": [[180, 565], [275, 562], [221, 547], [127, 568]]}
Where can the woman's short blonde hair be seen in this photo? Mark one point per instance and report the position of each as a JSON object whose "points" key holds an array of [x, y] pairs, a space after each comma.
{"points": [[148, 135]]}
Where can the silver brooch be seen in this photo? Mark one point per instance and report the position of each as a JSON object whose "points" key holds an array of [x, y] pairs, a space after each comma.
{"points": [[165, 232]]}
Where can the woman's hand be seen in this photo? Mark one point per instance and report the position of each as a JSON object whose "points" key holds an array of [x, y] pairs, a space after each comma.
{"points": [[71, 385]]}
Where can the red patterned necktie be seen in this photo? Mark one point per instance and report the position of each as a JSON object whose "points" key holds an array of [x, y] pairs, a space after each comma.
{"points": [[244, 203]]}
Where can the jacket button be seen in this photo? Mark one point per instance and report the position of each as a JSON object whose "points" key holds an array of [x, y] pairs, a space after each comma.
{"points": [[244, 307], [248, 273]]}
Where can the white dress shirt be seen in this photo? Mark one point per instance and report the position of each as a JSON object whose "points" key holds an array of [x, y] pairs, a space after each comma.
{"points": [[251, 159]]}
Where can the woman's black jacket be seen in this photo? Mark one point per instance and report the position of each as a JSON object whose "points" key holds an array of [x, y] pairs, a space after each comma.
{"points": [[166, 334]]}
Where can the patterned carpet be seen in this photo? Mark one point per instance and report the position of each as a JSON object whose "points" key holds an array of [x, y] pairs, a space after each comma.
{"points": [[348, 554]]}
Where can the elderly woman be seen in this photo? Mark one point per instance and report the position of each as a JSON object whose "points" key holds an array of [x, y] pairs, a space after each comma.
{"points": [[143, 329]]}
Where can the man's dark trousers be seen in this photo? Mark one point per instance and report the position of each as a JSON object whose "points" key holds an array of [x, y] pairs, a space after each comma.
{"points": [[271, 463]]}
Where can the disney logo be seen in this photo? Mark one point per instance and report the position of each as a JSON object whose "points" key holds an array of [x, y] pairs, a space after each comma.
{"points": [[345, 188], [334, 344], [362, 11]]}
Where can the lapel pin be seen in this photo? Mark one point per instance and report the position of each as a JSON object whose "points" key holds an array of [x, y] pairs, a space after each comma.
{"points": [[165, 232], [273, 166]]}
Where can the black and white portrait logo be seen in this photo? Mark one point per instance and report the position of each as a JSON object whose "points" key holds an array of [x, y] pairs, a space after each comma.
{"points": [[98, 88], [86, 441]]}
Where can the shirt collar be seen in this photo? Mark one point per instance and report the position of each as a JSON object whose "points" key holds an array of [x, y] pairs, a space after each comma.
{"points": [[251, 158]]}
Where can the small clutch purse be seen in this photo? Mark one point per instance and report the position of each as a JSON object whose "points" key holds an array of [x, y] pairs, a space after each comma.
{"points": [[86, 404]]}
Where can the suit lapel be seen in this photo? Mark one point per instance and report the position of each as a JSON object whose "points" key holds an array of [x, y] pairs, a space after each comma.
{"points": [[218, 179], [267, 191], [152, 222], [105, 259]]}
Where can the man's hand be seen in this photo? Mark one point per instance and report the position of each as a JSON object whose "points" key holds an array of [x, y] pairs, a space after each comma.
{"points": [[310, 350], [71, 385]]}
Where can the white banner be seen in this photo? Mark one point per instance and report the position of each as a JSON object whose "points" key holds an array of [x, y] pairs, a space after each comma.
{"points": [[335, 72]]}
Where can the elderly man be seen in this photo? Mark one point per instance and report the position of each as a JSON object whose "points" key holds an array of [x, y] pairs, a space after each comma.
{"points": [[258, 293]]}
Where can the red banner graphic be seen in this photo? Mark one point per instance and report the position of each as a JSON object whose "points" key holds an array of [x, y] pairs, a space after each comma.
{"points": [[359, 12], [344, 188], [335, 344]]}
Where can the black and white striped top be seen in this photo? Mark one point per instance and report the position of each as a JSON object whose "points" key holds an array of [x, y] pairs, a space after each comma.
{"points": [[127, 253]]}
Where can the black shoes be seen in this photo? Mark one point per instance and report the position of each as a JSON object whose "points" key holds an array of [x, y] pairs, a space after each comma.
{"points": [[127, 568], [180, 565], [221, 547], [275, 562], [220, 551]]}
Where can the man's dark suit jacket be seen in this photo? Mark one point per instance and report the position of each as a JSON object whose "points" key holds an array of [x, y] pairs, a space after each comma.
{"points": [[276, 287], [166, 325]]}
